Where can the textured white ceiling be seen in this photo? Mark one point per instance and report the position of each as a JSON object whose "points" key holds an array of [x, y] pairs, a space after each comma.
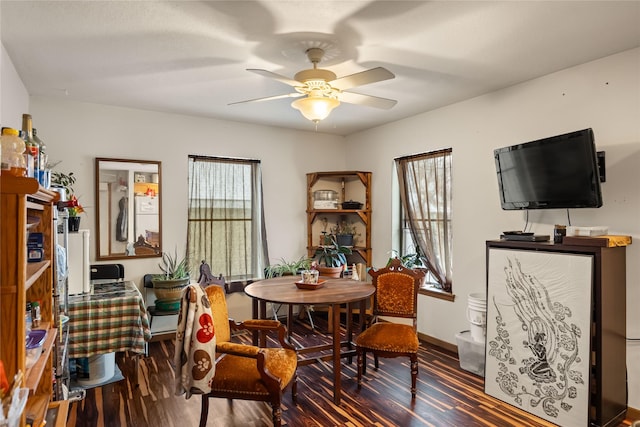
{"points": [[190, 57]]}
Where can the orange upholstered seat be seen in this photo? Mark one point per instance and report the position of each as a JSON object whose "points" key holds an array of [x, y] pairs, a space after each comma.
{"points": [[396, 296], [248, 372]]}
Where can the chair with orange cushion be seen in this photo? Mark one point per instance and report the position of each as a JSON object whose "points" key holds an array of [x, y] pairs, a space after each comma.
{"points": [[396, 296], [245, 371]]}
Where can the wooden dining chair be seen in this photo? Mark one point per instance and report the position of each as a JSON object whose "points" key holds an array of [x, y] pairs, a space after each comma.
{"points": [[396, 296], [248, 372]]}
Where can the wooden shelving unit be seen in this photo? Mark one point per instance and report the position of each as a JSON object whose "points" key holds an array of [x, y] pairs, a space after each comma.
{"points": [[350, 185], [27, 207]]}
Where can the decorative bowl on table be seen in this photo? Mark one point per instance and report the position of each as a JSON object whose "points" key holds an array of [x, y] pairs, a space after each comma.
{"points": [[310, 286]]}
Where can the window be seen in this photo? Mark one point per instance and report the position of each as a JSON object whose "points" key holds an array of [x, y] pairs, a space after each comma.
{"points": [[425, 193], [225, 218]]}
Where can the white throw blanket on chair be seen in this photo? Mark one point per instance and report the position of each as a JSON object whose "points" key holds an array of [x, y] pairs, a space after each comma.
{"points": [[195, 343]]}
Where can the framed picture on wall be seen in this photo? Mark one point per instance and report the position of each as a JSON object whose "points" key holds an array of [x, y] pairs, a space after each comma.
{"points": [[538, 333]]}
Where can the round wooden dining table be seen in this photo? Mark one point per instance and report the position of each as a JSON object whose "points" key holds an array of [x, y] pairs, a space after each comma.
{"points": [[335, 293]]}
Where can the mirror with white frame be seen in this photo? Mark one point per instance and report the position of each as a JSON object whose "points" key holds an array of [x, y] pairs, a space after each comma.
{"points": [[128, 208]]}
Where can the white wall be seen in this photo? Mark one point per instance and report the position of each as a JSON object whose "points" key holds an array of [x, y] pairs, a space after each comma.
{"points": [[603, 95], [14, 98], [77, 133]]}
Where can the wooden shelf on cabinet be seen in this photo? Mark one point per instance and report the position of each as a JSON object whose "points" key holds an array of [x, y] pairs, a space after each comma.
{"points": [[34, 271], [34, 374]]}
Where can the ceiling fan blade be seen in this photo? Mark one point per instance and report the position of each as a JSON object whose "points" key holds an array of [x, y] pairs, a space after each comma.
{"points": [[368, 100], [275, 76], [269, 98], [373, 75]]}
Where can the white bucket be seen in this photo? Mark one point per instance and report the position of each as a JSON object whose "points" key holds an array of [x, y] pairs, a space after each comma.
{"points": [[477, 316], [101, 367]]}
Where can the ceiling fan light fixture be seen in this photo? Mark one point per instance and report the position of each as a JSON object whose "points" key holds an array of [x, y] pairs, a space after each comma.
{"points": [[315, 108]]}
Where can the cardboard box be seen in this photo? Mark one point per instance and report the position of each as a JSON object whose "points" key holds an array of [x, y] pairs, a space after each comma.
{"points": [[470, 353]]}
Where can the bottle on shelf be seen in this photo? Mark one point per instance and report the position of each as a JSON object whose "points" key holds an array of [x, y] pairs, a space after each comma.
{"points": [[35, 314], [43, 177], [13, 161], [32, 146]]}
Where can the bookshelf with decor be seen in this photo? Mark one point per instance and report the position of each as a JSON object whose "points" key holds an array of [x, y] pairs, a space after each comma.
{"points": [[337, 200], [27, 208]]}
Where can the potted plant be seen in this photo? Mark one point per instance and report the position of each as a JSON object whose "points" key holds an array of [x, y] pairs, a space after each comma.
{"points": [[74, 208], [287, 268], [412, 260], [169, 284], [344, 232], [332, 258], [65, 181]]}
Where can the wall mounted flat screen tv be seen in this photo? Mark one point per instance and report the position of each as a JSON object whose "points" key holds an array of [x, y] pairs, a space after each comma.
{"points": [[560, 172]]}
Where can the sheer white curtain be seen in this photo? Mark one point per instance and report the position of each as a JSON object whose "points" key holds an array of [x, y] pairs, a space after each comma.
{"points": [[425, 192], [226, 219]]}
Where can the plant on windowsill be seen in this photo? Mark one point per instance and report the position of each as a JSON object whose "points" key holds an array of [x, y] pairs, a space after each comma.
{"points": [[412, 260], [332, 258]]}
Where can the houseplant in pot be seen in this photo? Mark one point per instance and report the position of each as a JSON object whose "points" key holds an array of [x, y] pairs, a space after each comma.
{"points": [[332, 259], [64, 182], [168, 286], [74, 208], [344, 232], [412, 260], [287, 268]]}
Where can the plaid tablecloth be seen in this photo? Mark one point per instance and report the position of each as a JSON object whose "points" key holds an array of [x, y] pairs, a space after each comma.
{"points": [[112, 318]]}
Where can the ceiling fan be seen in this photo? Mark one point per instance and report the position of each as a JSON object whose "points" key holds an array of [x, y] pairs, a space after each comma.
{"points": [[323, 91]]}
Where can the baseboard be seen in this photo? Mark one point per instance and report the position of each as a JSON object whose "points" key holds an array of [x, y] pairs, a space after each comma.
{"points": [[439, 343]]}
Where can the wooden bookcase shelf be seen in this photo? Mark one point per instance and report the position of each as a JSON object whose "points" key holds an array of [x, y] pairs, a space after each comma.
{"points": [[350, 185], [26, 207]]}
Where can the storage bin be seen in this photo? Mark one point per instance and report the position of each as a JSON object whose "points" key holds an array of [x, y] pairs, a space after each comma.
{"points": [[34, 342], [470, 353]]}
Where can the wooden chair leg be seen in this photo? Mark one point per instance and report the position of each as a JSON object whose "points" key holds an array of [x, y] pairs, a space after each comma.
{"points": [[276, 414], [375, 361], [360, 367], [414, 374], [204, 411], [294, 388]]}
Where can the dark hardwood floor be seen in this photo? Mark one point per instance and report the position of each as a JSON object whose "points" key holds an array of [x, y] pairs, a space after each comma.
{"points": [[447, 396]]}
